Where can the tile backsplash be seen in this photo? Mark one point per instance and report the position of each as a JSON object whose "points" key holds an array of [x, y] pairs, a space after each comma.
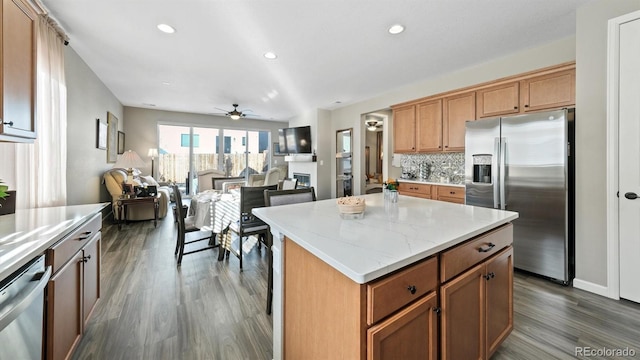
{"points": [[445, 166]]}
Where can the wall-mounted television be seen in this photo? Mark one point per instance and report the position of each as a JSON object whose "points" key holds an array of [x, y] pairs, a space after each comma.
{"points": [[296, 140]]}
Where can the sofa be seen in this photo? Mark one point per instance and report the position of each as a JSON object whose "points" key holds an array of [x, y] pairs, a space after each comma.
{"points": [[113, 180]]}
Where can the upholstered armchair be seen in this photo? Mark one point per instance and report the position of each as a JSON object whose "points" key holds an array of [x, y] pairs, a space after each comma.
{"points": [[271, 177], [205, 176], [113, 180]]}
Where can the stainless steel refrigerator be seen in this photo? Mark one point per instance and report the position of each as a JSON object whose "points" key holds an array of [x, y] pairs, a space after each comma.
{"points": [[525, 164]]}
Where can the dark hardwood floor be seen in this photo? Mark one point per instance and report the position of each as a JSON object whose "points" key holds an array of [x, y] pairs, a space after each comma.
{"points": [[205, 309]]}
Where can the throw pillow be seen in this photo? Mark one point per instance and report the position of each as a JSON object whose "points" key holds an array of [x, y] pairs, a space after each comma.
{"points": [[149, 180]]}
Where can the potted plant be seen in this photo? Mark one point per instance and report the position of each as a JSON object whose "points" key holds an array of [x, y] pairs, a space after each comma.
{"points": [[7, 200]]}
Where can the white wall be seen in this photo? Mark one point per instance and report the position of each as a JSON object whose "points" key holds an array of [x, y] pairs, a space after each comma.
{"points": [[591, 67]]}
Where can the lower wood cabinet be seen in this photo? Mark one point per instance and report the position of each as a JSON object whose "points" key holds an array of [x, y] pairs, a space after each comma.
{"points": [[477, 309], [454, 194], [73, 290], [412, 333]]}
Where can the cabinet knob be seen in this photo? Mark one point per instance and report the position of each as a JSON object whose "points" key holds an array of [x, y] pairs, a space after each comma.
{"points": [[436, 310], [526, 106], [452, 192], [10, 123], [85, 259], [412, 289], [486, 277], [490, 275], [515, 108]]}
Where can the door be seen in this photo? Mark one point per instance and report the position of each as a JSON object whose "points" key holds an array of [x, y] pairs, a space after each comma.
{"points": [[534, 148], [499, 307], [629, 153], [463, 316], [410, 334], [91, 276], [481, 162]]}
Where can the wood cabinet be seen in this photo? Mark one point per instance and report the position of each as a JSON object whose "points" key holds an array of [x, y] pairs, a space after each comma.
{"points": [[498, 100], [457, 110], [429, 126], [548, 91], [18, 71], [454, 194], [477, 303], [404, 129], [394, 317], [74, 288], [413, 189]]}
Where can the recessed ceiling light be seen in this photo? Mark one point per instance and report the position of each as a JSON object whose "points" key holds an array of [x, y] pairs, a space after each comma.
{"points": [[269, 55], [166, 28], [396, 29], [166, 83]]}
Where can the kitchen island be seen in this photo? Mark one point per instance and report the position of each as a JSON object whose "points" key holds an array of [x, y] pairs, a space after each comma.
{"points": [[341, 286]]}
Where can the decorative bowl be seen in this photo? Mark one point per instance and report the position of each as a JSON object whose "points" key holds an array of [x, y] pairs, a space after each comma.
{"points": [[351, 205]]}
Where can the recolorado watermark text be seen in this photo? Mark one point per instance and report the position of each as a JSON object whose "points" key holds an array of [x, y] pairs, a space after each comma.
{"points": [[588, 351]]}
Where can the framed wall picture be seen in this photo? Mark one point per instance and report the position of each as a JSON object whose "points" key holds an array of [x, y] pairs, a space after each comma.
{"points": [[120, 142], [276, 150], [112, 138], [101, 134]]}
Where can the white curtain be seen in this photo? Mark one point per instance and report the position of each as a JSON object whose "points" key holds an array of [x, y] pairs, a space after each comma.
{"points": [[41, 167]]}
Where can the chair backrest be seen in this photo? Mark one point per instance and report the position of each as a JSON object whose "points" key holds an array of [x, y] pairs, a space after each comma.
{"points": [[204, 178], [272, 176], [179, 210], [218, 182], [252, 197], [285, 197], [289, 184]]}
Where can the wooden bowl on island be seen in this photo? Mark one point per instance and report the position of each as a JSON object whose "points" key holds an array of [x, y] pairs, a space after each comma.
{"points": [[351, 205]]}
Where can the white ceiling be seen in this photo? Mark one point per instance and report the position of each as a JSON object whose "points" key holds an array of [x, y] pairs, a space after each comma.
{"points": [[328, 51]]}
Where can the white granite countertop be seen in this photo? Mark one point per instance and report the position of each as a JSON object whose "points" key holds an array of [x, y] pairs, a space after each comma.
{"points": [[27, 233], [389, 237], [416, 181]]}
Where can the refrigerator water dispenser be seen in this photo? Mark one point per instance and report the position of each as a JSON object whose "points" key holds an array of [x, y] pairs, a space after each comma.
{"points": [[482, 168]]}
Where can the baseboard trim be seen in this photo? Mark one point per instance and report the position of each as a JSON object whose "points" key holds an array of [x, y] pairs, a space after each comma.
{"points": [[593, 288]]}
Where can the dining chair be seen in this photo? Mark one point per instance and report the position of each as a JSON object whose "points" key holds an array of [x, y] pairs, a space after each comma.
{"points": [[218, 182], [250, 197], [289, 184], [277, 198], [186, 225]]}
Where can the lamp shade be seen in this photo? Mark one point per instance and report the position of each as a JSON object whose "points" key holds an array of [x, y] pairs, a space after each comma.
{"points": [[129, 160], [153, 152]]}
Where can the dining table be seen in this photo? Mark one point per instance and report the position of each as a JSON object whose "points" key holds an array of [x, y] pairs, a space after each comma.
{"points": [[216, 211]]}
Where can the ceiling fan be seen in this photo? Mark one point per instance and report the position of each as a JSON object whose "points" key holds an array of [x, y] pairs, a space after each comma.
{"points": [[373, 125], [235, 114]]}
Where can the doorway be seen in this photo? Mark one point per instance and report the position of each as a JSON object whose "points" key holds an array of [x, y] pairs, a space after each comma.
{"points": [[373, 150]]}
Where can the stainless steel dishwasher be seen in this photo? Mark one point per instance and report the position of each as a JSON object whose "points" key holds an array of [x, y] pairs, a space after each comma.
{"points": [[22, 311]]}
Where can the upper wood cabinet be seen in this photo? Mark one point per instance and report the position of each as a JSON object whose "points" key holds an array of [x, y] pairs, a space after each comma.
{"points": [[457, 110], [498, 100], [18, 72], [548, 91], [404, 129], [429, 126]]}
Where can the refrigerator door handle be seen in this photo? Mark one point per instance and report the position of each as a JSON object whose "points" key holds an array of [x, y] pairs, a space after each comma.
{"points": [[503, 170], [495, 174]]}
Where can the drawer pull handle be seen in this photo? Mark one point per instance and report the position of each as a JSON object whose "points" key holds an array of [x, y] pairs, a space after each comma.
{"points": [[452, 192], [83, 238], [491, 246], [412, 289]]}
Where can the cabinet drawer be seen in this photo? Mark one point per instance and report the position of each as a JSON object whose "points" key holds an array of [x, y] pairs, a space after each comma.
{"points": [[63, 250], [411, 189], [389, 294], [450, 192], [464, 256]]}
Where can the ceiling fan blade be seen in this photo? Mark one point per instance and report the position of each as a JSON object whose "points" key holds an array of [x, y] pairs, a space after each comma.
{"points": [[225, 111]]}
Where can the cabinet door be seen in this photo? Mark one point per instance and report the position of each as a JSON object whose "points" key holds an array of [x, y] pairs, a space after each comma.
{"points": [[64, 310], [404, 129], [457, 110], [429, 126], [91, 276], [410, 334], [18, 71], [498, 100], [499, 299], [463, 316], [549, 91]]}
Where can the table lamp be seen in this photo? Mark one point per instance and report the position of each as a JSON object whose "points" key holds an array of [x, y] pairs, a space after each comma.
{"points": [[153, 152], [128, 161]]}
